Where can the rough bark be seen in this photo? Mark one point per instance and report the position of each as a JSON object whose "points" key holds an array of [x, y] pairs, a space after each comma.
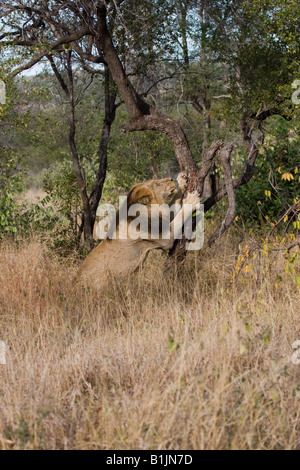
{"points": [[249, 168], [90, 203], [142, 116], [87, 217], [110, 114], [225, 154]]}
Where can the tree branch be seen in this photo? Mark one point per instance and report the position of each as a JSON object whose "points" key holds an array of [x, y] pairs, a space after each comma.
{"points": [[58, 76], [249, 168], [142, 116], [206, 164], [54, 46], [225, 154]]}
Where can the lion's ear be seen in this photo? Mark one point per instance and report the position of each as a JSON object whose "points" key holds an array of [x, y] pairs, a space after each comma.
{"points": [[141, 195], [146, 199]]}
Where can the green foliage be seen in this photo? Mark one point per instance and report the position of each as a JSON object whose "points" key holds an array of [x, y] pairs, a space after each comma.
{"points": [[59, 182], [139, 156], [16, 218], [259, 43], [275, 186], [239, 56], [144, 32], [9, 186], [43, 139]]}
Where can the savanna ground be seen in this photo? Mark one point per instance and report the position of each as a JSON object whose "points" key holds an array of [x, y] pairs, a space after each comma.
{"points": [[196, 359]]}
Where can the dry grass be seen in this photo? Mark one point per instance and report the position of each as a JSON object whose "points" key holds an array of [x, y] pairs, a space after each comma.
{"points": [[199, 362]]}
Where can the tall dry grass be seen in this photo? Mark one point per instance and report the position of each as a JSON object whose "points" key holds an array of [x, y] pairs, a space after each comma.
{"points": [[189, 360]]}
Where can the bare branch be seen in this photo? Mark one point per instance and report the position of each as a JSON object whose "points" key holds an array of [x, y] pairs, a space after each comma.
{"points": [[87, 55], [249, 168], [225, 154], [53, 47], [291, 209], [89, 69], [243, 179], [142, 115], [84, 90], [58, 76], [221, 96], [206, 164], [146, 93]]}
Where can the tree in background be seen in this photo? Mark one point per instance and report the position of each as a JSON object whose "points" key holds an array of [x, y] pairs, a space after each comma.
{"points": [[250, 45]]}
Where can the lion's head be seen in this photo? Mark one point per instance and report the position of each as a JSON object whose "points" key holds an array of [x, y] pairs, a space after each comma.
{"points": [[151, 192]]}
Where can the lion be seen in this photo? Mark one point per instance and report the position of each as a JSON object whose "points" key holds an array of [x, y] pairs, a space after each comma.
{"points": [[116, 257]]}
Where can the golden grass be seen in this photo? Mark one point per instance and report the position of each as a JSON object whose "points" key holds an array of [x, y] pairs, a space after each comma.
{"points": [[190, 360]]}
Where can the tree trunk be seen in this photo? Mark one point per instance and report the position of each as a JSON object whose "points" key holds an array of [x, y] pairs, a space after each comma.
{"points": [[87, 217], [142, 115], [110, 114], [90, 203]]}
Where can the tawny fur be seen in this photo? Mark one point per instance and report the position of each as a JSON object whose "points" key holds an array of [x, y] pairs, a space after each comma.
{"points": [[114, 258]]}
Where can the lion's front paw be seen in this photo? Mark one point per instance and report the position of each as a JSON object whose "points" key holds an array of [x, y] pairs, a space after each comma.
{"points": [[193, 199], [182, 180]]}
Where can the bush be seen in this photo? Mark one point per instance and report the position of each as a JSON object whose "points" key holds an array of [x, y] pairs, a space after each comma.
{"points": [[275, 186], [10, 185], [20, 218]]}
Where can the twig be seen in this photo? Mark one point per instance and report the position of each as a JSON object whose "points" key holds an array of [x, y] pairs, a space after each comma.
{"points": [[282, 218]]}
